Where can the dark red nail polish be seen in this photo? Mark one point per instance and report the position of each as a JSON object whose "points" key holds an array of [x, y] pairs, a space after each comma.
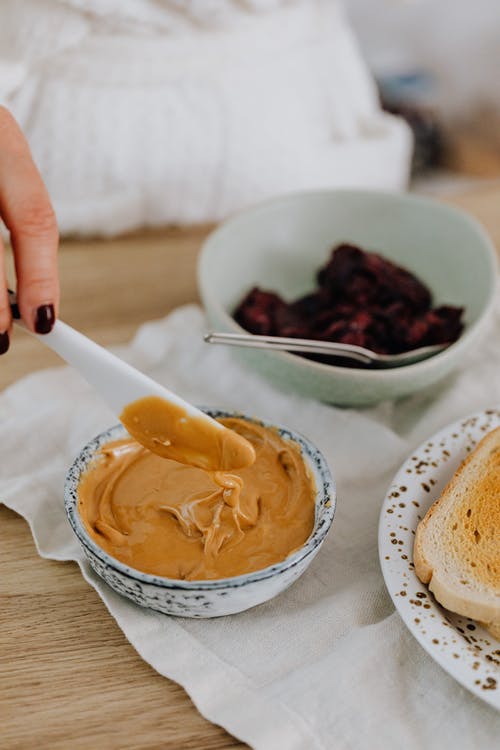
{"points": [[4, 342], [45, 318], [14, 307]]}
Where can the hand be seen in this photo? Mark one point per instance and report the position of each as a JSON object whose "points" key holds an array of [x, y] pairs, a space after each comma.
{"points": [[26, 211]]}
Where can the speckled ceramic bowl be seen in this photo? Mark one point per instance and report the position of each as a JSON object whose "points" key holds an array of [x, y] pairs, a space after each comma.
{"points": [[204, 598], [279, 245]]}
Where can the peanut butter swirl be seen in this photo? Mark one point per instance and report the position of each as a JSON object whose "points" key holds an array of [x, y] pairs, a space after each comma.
{"points": [[171, 519]]}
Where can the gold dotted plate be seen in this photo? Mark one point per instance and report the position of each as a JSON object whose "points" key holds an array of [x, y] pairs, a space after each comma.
{"points": [[461, 646]]}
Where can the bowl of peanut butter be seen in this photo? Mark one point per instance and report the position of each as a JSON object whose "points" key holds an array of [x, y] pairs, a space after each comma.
{"points": [[192, 542]]}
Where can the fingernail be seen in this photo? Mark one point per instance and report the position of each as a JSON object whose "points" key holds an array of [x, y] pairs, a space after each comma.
{"points": [[14, 307], [4, 342], [44, 318]]}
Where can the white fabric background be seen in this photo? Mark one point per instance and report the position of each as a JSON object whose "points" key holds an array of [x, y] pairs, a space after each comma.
{"points": [[143, 112], [328, 664], [458, 42]]}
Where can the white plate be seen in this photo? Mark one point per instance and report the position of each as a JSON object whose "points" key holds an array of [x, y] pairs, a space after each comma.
{"points": [[463, 648]]}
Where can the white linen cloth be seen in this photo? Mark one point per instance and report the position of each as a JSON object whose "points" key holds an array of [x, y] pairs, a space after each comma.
{"points": [[148, 112], [328, 664]]}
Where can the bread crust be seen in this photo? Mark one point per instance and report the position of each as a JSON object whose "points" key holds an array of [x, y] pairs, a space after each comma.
{"points": [[457, 544]]}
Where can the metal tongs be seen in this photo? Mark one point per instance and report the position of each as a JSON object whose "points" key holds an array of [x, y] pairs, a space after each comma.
{"points": [[331, 348]]}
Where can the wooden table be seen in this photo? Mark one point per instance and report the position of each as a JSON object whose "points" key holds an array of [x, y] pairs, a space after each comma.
{"points": [[69, 679]]}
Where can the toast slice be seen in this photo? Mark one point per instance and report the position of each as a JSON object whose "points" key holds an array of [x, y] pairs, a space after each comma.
{"points": [[457, 543]]}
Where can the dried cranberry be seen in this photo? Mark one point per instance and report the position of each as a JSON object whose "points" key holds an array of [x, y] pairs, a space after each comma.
{"points": [[362, 299], [257, 311]]}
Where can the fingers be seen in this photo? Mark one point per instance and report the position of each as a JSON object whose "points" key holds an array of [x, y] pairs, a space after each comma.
{"points": [[28, 214], [5, 316]]}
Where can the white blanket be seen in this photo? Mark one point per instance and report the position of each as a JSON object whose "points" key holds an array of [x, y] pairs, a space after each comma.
{"points": [[148, 112], [328, 664]]}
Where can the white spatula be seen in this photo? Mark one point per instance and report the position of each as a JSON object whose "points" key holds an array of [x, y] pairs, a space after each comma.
{"points": [[120, 385]]}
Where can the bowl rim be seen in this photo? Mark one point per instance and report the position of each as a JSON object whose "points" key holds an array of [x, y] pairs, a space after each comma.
{"points": [[324, 512], [364, 375]]}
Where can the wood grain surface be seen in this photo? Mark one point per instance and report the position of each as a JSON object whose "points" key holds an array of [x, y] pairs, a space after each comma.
{"points": [[69, 680]]}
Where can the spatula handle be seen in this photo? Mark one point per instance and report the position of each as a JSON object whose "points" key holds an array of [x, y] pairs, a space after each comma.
{"points": [[117, 382]]}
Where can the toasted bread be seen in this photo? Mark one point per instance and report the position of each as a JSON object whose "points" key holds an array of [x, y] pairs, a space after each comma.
{"points": [[457, 544]]}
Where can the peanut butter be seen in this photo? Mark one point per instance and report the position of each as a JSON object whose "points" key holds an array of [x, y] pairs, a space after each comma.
{"points": [[180, 521], [166, 429]]}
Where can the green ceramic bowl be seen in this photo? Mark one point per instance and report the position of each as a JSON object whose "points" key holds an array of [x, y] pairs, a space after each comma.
{"points": [[280, 244]]}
